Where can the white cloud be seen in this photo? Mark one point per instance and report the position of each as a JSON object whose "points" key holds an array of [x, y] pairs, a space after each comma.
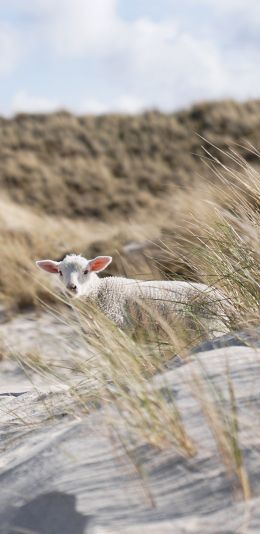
{"points": [[9, 50], [170, 64], [79, 27], [124, 104], [23, 102], [129, 104], [92, 106], [158, 63], [145, 63], [231, 5]]}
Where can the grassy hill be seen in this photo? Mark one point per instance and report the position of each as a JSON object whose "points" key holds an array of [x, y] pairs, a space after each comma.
{"points": [[96, 184], [110, 166]]}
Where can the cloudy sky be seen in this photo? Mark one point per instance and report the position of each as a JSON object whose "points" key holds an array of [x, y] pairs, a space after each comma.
{"points": [[95, 56]]}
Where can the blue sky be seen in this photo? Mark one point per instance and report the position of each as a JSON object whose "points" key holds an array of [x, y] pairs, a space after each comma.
{"points": [[97, 56]]}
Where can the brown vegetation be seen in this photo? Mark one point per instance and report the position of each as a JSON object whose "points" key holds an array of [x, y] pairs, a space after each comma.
{"points": [[96, 184], [110, 184]]}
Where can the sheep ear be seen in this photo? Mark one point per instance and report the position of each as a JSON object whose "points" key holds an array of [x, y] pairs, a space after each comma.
{"points": [[99, 263], [48, 265]]}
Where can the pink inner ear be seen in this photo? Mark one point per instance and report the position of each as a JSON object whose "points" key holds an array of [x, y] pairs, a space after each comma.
{"points": [[99, 263], [48, 265]]}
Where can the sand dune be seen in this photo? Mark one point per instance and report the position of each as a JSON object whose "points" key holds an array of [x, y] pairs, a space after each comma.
{"points": [[46, 449]]}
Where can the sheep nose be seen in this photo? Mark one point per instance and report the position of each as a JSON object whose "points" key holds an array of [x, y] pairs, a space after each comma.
{"points": [[72, 287]]}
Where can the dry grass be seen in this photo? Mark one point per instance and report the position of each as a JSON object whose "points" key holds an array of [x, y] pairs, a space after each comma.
{"points": [[26, 236], [212, 235], [172, 240], [95, 184], [222, 248], [226, 426], [114, 167]]}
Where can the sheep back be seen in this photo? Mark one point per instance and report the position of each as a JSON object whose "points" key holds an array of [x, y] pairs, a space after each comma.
{"points": [[126, 301]]}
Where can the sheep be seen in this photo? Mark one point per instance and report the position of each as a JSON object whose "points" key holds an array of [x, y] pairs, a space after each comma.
{"points": [[122, 299]]}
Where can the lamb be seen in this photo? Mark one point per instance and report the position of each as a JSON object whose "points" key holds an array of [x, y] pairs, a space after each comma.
{"points": [[122, 299]]}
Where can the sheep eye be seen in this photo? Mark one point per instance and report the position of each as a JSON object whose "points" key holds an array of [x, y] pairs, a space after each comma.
{"points": [[60, 273], [86, 271]]}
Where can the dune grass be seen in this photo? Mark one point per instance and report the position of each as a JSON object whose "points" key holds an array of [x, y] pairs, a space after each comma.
{"points": [[219, 244], [95, 184], [225, 252], [211, 234]]}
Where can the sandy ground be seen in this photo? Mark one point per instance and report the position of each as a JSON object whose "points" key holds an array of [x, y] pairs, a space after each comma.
{"points": [[64, 472]]}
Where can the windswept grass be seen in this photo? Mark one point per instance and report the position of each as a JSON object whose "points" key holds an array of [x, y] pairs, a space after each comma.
{"points": [[96, 184], [125, 374], [203, 230], [222, 248]]}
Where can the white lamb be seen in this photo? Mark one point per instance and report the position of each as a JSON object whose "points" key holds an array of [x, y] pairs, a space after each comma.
{"points": [[126, 300]]}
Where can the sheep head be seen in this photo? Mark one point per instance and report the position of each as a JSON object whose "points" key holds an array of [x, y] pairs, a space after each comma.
{"points": [[76, 272]]}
